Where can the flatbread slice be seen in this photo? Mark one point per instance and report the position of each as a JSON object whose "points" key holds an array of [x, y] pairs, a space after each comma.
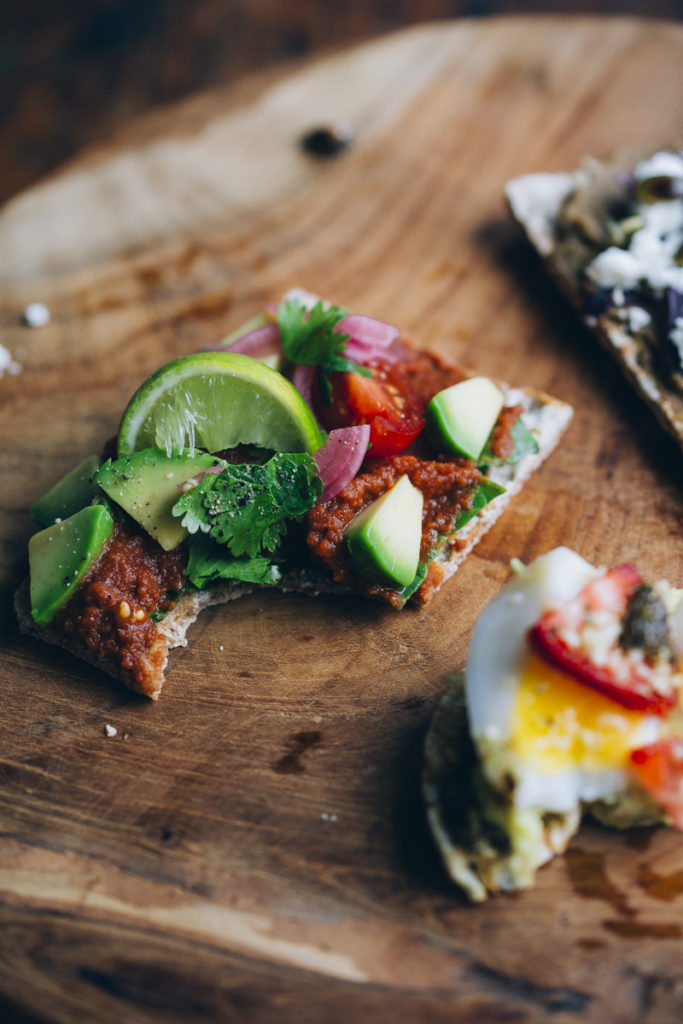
{"points": [[543, 419], [611, 235]]}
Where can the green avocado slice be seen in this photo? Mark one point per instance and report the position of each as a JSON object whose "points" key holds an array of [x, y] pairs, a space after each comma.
{"points": [[73, 492], [60, 556], [147, 484], [461, 417], [384, 539]]}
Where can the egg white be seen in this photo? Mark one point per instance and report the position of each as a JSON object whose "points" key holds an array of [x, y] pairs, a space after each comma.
{"points": [[497, 657]]}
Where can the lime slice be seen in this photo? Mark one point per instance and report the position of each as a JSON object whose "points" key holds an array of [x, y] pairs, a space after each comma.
{"points": [[216, 400]]}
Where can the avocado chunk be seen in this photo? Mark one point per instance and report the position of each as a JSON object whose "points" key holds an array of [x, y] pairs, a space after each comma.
{"points": [[73, 492], [384, 539], [460, 418], [146, 485], [60, 556]]}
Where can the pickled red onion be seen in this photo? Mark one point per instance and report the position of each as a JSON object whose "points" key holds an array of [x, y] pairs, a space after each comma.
{"points": [[368, 331], [340, 458], [261, 342], [368, 338], [303, 379]]}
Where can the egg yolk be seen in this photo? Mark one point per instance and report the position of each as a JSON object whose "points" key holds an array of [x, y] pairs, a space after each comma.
{"points": [[560, 723]]}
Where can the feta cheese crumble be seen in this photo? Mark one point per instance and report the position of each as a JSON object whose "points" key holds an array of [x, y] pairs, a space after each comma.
{"points": [[653, 248]]}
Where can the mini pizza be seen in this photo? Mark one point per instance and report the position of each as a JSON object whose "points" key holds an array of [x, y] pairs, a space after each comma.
{"points": [[612, 236], [312, 450], [570, 703]]}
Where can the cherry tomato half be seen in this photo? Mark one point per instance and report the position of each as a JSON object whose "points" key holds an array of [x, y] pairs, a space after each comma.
{"points": [[658, 768], [558, 637], [394, 416]]}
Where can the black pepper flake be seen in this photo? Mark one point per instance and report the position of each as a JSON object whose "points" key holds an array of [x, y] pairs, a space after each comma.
{"points": [[327, 140]]}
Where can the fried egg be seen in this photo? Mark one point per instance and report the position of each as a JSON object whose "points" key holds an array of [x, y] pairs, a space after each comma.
{"points": [[545, 738]]}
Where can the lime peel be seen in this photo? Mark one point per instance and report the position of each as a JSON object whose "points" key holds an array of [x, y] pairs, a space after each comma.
{"points": [[215, 401]]}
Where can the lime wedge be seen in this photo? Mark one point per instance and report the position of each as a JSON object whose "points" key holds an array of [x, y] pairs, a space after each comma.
{"points": [[216, 400]]}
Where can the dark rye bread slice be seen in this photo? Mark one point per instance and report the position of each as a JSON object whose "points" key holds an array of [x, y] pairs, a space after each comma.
{"points": [[546, 417], [564, 217]]}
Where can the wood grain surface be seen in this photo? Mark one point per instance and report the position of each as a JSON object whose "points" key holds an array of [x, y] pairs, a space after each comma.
{"points": [[75, 72], [252, 848]]}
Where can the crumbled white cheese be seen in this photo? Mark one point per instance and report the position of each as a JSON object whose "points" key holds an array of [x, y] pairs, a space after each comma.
{"points": [[650, 257], [615, 267], [638, 318], [634, 317], [662, 165], [36, 314], [110, 730], [676, 335], [7, 363]]}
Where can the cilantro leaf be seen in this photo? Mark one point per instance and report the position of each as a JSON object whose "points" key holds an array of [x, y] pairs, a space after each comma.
{"points": [[310, 337], [486, 491], [209, 562], [524, 443], [420, 577], [246, 507]]}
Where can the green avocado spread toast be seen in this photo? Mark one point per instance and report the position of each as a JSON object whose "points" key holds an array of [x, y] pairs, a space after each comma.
{"points": [[313, 450]]}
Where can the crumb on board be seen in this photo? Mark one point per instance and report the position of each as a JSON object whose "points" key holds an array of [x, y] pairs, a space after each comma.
{"points": [[7, 363], [110, 730], [36, 314]]}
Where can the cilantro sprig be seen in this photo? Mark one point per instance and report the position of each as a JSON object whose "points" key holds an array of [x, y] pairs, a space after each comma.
{"points": [[247, 507], [209, 562], [310, 337]]}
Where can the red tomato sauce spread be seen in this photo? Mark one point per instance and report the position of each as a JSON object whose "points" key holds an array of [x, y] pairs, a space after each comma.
{"points": [[424, 374], [502, 444], [446, 488], [110, 611], [446, 485]]}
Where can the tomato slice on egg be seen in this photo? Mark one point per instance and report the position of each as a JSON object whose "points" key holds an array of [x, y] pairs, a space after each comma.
{"points": [[394, 417], [658, 768], [573, 639]]}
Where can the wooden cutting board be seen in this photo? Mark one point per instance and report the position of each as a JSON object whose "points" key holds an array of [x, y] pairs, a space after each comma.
{"points": [[252, 847]]}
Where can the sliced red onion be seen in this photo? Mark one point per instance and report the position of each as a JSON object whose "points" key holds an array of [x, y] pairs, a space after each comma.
{"points": [[363, 354], [303, 379], [368, 338], [368, 331], [259, 343], [340, 458]]}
